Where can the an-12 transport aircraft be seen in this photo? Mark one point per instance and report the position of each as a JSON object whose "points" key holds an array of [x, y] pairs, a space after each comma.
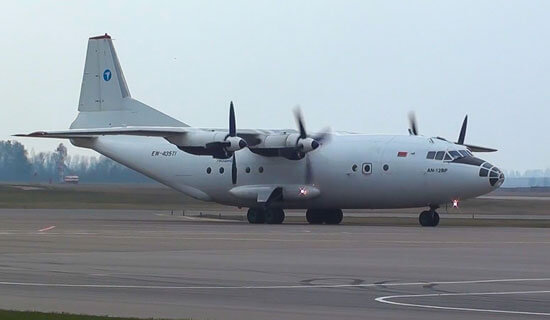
{"points": [[268, 171]]}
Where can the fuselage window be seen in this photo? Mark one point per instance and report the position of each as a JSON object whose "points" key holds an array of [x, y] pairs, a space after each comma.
{"points": [[354, 167], [448, 157], [247, 169], [431, 155], [367, 168], [221, 170], [439, 155], [386, 167], [455, 154], [261, 169], [208, 170]]}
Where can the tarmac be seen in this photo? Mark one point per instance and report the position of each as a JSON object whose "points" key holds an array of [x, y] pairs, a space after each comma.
{"points": [[154, 264]]}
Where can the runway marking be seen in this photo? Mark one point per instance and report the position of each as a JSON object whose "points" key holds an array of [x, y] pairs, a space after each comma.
{"points": [[46, 229], [323, 286], [387, 300]]}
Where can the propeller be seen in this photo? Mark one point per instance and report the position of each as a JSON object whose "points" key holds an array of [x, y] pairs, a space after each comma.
{"points": [[462, 134], [413, 130], [235, 142], [413, 127], [306, 143], [226, 148]]}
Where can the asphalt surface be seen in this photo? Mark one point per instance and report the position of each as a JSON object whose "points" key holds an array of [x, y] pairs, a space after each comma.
{"points": [[153, 264]]}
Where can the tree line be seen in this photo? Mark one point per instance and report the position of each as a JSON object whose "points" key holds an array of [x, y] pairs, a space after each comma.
{"points": [[17, 165]]}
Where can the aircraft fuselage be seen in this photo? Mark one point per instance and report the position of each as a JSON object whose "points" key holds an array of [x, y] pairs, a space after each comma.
{"points": [[350, 171]]}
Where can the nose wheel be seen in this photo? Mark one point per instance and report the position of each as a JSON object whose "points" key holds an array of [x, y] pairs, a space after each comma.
{"points": [[429, 218]]}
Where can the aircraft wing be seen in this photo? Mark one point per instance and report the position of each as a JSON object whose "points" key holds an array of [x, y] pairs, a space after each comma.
{"points": [[141, 131], [95, 132], [185, 136]]}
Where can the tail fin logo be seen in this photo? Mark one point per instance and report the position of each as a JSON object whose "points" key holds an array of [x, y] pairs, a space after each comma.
{"points": [[107, 75]]}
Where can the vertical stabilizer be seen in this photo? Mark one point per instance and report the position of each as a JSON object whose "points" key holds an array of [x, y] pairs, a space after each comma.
{"points": [[105, 100], [103, 83]]}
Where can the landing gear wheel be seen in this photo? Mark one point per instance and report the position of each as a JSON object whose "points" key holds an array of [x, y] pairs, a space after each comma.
{"points": [[429, 219], [256, 215], [315, 216], [274, 216], [435, 220], [334, 216]]}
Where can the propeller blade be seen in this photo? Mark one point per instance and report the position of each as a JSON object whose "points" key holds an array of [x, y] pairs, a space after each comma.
{"points": [[234, 170], [309, 174], [462, 134], [412, 122], [232, 125], [322, 136], [300, 122]]}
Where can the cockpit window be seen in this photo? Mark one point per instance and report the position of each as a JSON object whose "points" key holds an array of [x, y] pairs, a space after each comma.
{"points": [[464, 153], [448, 157], [439, 155], [455, 154], [487, 165], [430, 155]]}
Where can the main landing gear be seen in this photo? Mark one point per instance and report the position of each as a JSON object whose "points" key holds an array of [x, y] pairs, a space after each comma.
{"points": [[277, 216], [328, 216], [429, 218], [265, 215]]}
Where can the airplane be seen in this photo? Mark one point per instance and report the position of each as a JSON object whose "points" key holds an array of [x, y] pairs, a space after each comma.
{"points": [[269, 171]]}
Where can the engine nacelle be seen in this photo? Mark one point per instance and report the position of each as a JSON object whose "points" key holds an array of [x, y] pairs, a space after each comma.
{"points": [[290, 146], [216, 144]]}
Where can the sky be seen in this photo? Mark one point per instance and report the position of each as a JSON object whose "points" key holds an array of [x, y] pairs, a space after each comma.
{"points": [[356, 66]]}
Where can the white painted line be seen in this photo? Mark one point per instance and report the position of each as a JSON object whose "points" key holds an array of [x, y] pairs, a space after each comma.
{"points": [[387, 299], [46, 229], [364, 285]]}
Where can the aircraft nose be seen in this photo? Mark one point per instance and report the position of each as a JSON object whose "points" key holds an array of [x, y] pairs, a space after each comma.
{"points": [[495, 175]]}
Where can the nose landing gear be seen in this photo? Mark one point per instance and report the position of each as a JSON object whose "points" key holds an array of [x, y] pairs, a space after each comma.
{"points": [[429, 218]]}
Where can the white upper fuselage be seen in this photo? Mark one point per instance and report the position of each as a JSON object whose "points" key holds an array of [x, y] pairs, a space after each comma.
{"points": [[411, 180]]}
